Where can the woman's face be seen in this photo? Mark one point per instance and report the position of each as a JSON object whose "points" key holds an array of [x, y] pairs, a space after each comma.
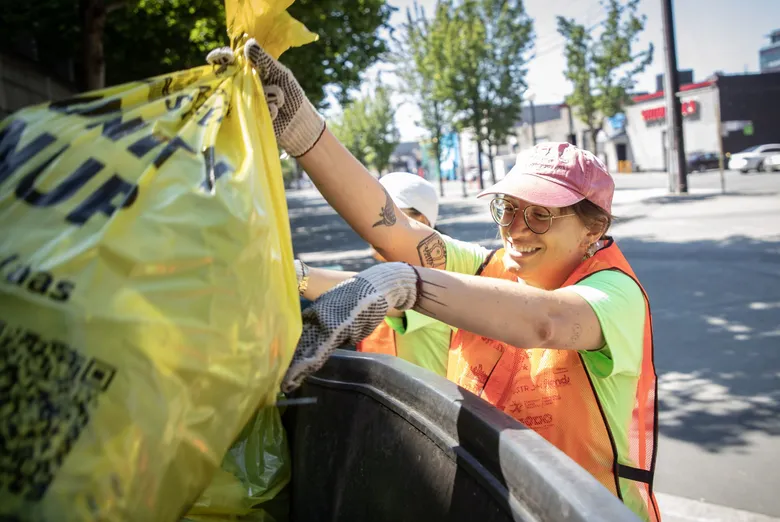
{"points": [[545, 260]]}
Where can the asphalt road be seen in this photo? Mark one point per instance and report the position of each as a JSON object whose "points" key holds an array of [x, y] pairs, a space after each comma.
{"points": [[711, 266]]}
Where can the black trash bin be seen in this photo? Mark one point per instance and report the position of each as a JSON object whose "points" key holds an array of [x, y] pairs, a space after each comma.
{"points": [[388, 441]]}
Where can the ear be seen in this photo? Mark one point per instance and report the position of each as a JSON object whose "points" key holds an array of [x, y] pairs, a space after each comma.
{"points": [[594, 232]]}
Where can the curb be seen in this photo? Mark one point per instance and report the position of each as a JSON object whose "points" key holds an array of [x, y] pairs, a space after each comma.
{"points": [[679, 509]]}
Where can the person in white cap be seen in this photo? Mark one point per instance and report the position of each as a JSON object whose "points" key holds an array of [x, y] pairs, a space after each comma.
{"points": [[410, 335], [553, 328]]}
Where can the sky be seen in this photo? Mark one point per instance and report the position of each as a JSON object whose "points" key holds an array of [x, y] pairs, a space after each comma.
{"points": [[712, 35]]}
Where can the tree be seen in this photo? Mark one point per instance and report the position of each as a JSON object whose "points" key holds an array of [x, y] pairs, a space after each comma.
{"points": [[351, 128], [367, 128], [483, 66], [126, 40], [350, 42], [419, 50], [114, 41], [603, 69], [383, 136], [510, 34]]}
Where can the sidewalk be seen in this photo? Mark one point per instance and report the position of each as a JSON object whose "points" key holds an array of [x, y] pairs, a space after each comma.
{"points": [[678, 509]]}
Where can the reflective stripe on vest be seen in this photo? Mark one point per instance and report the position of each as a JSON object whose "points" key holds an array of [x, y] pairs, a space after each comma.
{"points": [[551, 392], [381, 340]]}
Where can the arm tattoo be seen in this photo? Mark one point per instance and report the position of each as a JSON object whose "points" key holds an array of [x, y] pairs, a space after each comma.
{"points": [[387, 214], [433, 252], [426, 294]]}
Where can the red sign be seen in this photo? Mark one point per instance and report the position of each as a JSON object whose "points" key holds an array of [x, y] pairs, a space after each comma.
{"points": [[689, 108]]}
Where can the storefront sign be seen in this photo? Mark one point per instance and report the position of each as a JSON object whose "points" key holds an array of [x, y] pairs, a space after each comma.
{"points": [[689, 108]]}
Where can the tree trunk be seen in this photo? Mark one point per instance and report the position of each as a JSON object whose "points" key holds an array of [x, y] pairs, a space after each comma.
{"points": [[477, 124], [479, 165], [93, 23], [437, 152], [298, 175], [437, 148], [594, 132], [492, 163]]}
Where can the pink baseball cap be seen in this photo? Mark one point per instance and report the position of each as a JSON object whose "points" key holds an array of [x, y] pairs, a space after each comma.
{"points": [[557, 175]]}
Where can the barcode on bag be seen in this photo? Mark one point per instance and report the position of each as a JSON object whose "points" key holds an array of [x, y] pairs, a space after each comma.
{"points": [[48, 391]]}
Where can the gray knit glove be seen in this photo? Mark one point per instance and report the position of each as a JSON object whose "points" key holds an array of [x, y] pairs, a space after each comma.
{"points": [[297, 124], [348, 313]]}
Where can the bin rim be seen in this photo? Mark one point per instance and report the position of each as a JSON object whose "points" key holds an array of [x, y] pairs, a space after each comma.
{"points": [[522, 470]]}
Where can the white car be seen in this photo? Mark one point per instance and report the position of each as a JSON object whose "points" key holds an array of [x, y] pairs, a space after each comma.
{"points": [[772, 163], [753, 158]]}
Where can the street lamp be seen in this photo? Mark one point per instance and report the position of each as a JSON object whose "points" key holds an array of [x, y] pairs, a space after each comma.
{"points": [[530, 95]]}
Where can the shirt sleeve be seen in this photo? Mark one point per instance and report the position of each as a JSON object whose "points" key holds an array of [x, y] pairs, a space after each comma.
{"points": [[463, 257], [620, 307], [414, 321]]}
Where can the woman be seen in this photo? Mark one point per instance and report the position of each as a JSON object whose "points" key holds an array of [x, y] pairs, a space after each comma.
{"points": [[554, 328], [410, 335]]}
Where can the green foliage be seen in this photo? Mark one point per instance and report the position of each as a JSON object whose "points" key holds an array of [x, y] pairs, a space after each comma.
{"points": [[418, 58], [482, 66], [145, 38], [289, 172], [351, 129], [157, 36], [350, 42], [603, 69], [367, 128]]}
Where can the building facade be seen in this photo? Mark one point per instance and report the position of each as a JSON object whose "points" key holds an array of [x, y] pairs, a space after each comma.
{"points": [[769, 56], [725, 114]]}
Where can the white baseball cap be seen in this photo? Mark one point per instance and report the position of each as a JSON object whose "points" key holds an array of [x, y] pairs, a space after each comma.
{"points": [[412, 191]]}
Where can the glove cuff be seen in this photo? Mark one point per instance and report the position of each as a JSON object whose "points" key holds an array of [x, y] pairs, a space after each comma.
{"points": [[397, 282], [302, 275], [303, 132]]}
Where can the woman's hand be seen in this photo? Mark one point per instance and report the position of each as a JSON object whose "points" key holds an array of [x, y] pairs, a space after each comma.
{"points": [[297, 124], [348, 313]]}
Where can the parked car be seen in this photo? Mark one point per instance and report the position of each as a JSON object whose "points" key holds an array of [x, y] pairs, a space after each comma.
{"points": [[753, 158], [772, 163], [701, 161]]}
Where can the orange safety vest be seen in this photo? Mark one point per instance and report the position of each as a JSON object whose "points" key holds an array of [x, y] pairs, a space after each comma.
{"points": [[551, 392], [381, 340]]}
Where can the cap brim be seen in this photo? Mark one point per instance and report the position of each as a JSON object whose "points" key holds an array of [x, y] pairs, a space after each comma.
{"points": [[534, 189]]}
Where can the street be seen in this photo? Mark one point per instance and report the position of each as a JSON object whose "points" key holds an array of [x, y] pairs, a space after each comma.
{"points": [[711, 266]]}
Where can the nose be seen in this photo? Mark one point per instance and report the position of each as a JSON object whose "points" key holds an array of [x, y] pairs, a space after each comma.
{"points": [[518, 226]]}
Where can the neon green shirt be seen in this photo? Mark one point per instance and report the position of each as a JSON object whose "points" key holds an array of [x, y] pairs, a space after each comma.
{"points": [[614, 369], [423, 341]]}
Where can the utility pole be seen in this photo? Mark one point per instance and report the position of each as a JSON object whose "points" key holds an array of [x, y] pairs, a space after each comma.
{"points": [[720, 135], [678, 168]]}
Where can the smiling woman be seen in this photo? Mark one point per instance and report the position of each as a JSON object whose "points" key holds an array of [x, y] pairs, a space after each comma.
{"points": [[554, 328]]}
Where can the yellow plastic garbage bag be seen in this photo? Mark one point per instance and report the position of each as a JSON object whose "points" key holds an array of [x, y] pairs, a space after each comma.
{"points": [[254, 471], [147, 294]]}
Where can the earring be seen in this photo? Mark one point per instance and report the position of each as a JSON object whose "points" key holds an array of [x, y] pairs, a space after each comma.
{"points": [[591, 251]]}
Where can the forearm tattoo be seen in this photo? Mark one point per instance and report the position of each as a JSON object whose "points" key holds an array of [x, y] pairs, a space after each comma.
{"points": [[387, 214], [433, 252], [427, 293]]}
